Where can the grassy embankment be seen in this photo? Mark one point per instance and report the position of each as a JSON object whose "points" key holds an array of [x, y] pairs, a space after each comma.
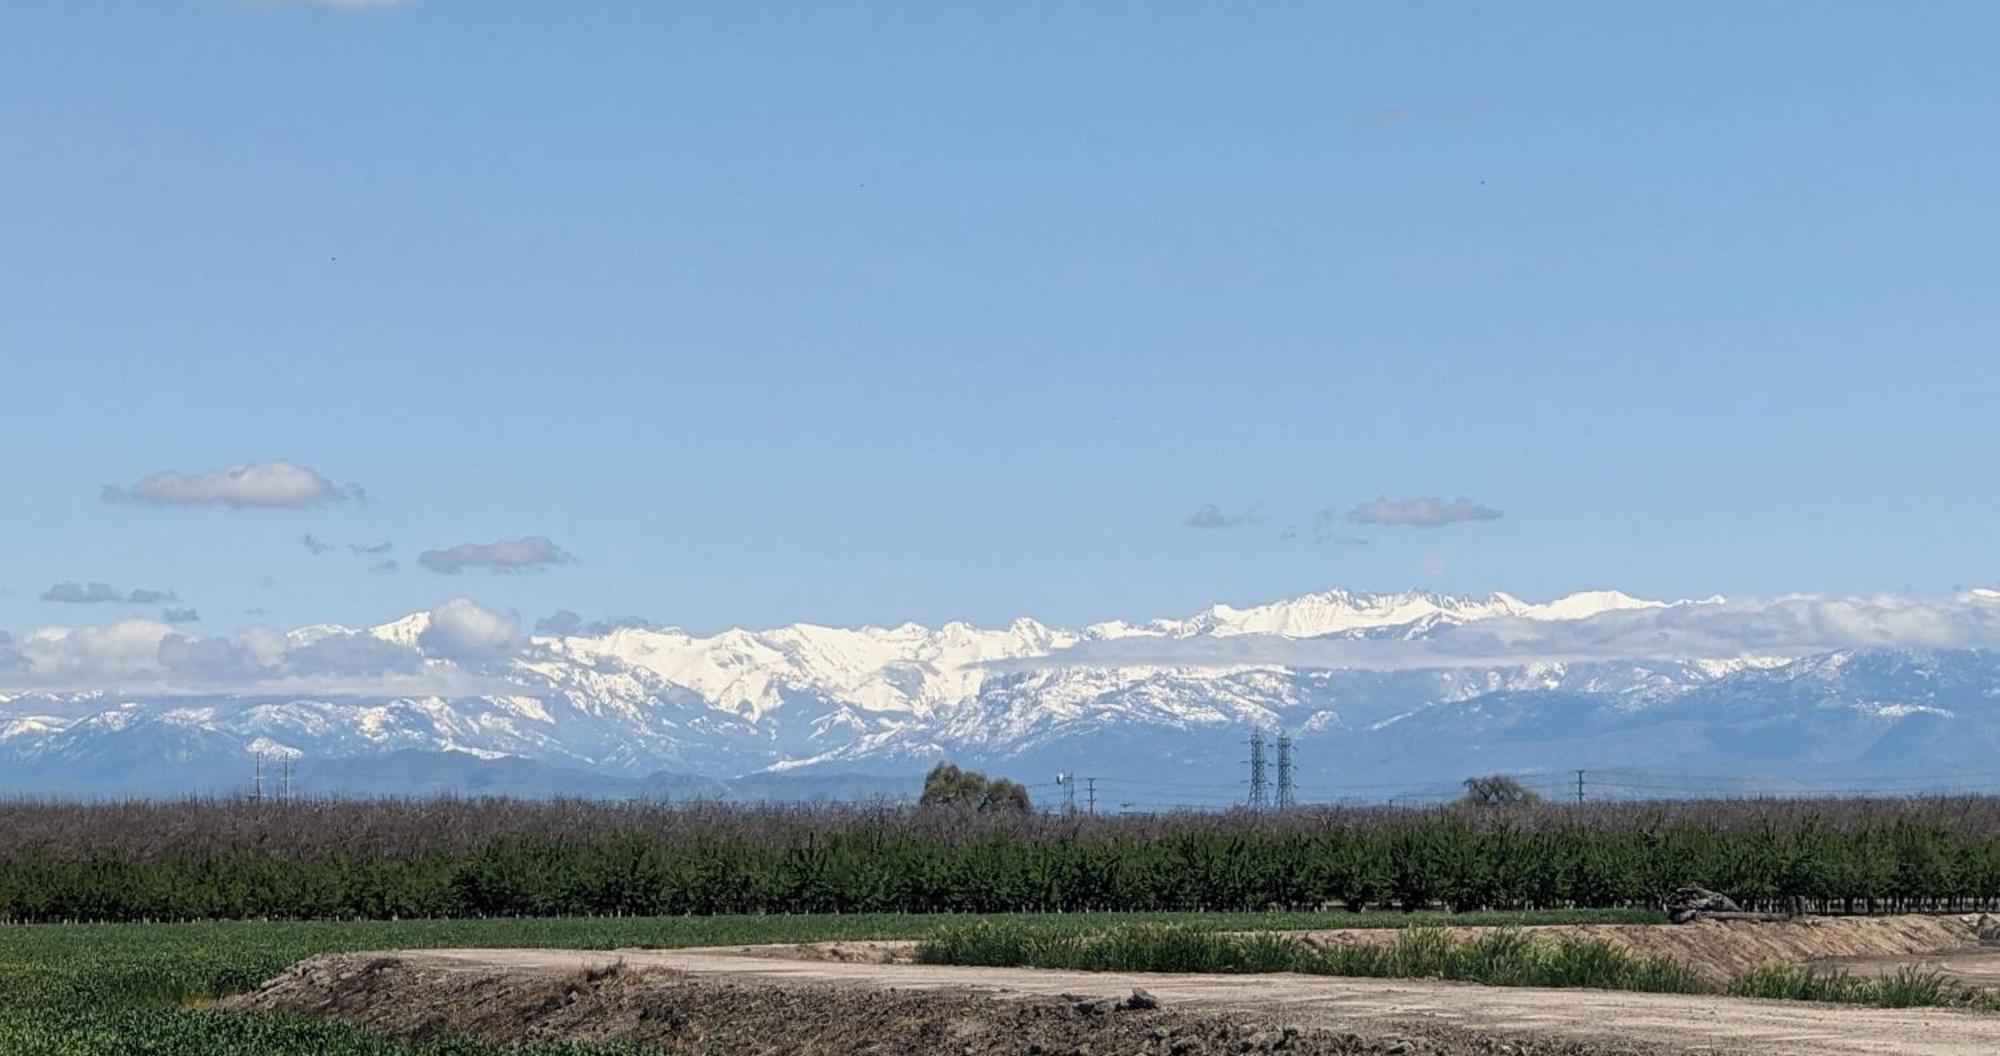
{"points": [[1507, 957]]}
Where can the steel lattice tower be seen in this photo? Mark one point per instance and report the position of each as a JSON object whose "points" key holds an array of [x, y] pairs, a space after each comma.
{"points": [[1286, 797], [1260, 788]]}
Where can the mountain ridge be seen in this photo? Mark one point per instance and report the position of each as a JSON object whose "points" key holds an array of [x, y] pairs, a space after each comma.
{"points": [[803, 699]]}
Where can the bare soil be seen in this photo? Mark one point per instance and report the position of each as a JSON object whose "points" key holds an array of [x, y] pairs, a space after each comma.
{"points": [[680, 1011], [850, 998]]}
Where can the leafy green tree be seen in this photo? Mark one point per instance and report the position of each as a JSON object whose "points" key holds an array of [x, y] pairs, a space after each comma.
{"points": [[948, 786]]}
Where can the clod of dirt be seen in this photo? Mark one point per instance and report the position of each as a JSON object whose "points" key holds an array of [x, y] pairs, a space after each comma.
{"points": [[1140, 1001], [1689, 904]]}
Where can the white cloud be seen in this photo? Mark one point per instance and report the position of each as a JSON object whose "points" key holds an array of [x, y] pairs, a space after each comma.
{"points": [[462, 629], [156, 657], [506, 555], [96, 655], [1429, 512], [246, 485]]}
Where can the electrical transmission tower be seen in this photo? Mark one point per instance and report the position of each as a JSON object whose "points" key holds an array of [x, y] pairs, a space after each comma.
{"points": [[1090, 786], [1067, 781], [1287, 799], [1260, 787], [257, 777]]}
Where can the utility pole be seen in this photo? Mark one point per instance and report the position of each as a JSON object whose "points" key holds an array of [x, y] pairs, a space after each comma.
{"points": [[1067, 781], [1260, 794], [285, 786], [1579, 787], [1286, 798], [257, 777], [1090, 786]]}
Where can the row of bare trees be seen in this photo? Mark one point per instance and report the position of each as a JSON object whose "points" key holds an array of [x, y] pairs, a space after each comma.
{"points": [[393, 828], [501, 857]]}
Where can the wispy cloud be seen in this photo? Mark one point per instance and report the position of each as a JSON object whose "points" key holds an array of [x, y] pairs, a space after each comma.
{"points": [[1428, 512], [378, 548], [506, 555], [314, 546], [142, 596], [181, 616], [560, 623], [1324, 528], [70, 592], [1213, 518], [275, 485]]}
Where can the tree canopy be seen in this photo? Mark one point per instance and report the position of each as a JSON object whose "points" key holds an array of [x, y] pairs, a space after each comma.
{"points": [[1497, 790], [948, 786]]}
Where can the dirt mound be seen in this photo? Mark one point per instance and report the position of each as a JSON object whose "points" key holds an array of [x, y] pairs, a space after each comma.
{"points": [[1720, 950], [681, 1014], [858, 952]]}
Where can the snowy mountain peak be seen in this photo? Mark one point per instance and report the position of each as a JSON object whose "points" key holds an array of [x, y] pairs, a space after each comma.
{"points": [[404, 632], [1340, 611]]}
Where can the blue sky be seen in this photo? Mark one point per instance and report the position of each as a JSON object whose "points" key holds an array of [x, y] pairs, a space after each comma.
{"points": [[865, 313]]}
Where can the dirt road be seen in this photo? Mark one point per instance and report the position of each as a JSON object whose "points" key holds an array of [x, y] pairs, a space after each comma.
{"points": [[1672, 1022]]}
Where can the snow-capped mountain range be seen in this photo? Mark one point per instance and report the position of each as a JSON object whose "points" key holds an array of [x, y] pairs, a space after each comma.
{"points": [[810, 708]]}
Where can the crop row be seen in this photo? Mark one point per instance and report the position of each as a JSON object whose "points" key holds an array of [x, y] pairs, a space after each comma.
{"points": [[1441, 860]]}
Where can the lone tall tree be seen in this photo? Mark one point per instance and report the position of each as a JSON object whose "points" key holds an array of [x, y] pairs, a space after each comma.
{"points": [[948, 786], [1497, 790]]}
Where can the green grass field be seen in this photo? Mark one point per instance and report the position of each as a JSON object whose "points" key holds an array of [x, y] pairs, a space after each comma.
{"points": [[91, 989]]}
